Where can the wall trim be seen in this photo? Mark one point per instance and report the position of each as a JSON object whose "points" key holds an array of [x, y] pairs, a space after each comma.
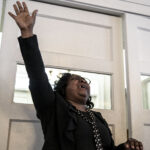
{"points": [[83, 6], [121, 7], [127, 1]]}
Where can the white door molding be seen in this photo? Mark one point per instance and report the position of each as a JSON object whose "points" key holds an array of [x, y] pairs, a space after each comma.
{"points": [[115, 7]]}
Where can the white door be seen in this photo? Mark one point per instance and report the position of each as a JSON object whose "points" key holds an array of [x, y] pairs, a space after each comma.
{"points": [[68, 38], [138, 59]]}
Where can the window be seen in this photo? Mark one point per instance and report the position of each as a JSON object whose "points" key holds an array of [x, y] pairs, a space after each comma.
{"points": [[100, 86], [145, 81]]}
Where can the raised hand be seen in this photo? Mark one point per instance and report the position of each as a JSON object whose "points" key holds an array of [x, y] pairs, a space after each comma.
{"points": [[133, 144], [23, 19]]}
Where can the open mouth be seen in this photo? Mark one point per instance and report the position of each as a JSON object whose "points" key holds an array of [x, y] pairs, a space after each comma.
{"points": [[84, 89], [82, 86]]}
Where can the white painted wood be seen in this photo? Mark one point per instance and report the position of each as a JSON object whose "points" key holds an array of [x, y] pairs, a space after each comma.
{"points": [[85, 41], [29, 131], [1, 4], [138, 39], [107, 6], [141, 2], [0, 38]]}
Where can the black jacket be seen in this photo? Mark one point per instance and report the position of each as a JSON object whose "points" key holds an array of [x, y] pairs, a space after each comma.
{"points": [[57, 118]]}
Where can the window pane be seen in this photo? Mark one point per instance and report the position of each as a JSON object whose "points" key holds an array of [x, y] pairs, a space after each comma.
{"points": [[146, 91], [100, 86]]}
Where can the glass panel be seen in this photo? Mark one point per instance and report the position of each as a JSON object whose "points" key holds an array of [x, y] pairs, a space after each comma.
{"points": [[100, 86], [146, 91]]}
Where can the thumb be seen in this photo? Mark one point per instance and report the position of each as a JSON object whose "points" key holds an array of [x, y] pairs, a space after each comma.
{"points": [[34, 14]]}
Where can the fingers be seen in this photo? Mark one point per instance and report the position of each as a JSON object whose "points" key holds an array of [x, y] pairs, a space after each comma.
{"points": [[141, 145], [16, 9], [12, 15], [20, 6], [133, 144], [127, 146], [25, 7], [34, 14]]}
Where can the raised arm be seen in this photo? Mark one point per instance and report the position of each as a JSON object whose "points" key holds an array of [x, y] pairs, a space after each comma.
{"points": [[41, 91]]}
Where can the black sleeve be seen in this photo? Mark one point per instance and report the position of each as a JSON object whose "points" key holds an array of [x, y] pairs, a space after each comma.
{"points": [[113, 147], [41, 90], [119, 147]]}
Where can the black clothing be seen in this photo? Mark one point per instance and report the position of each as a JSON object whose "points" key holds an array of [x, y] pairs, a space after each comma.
{"points": [[62, 128], [84, 134]]}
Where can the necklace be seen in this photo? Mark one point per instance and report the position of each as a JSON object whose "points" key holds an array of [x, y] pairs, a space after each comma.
{"points": [[92, 121]]}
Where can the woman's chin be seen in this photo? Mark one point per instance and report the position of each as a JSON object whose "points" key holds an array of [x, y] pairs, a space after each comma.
{"points": [[83, 98]]}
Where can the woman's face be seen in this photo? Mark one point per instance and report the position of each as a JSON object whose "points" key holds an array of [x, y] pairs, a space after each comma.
{"points": [[78, 89]]}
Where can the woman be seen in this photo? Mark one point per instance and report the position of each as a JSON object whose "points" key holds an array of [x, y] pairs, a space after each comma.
{"points": [[65, 113]]}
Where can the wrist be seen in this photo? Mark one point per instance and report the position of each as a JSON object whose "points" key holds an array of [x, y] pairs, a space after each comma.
{"points": [[26, 33]]}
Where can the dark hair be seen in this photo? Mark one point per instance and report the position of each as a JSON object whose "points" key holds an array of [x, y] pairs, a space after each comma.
{"points": [[61, 84]]}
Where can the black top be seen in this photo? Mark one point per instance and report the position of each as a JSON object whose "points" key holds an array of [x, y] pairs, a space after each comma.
{"points": [[84, 135], [63, 129]]}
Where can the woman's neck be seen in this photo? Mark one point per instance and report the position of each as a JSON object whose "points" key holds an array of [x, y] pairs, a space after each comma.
{"points": [[78, 106]]}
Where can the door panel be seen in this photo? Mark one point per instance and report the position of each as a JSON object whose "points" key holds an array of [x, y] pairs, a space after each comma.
{"points": [[30, 131]]}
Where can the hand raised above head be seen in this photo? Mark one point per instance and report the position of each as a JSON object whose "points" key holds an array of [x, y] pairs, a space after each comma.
{"points": [[23, 19]]}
